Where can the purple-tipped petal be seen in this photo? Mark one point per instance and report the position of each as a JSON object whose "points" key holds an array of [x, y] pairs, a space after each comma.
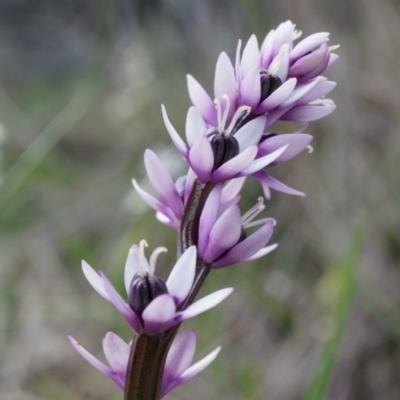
{"points": [[178, 142], [201, 159], [179, 357], [204, 304], [332, 58], [247, 248], [118, 302], [95, 280], [264, 251], [153, 202], [208, 217], [195, 126], [278, 97], [250, 134], [158, 315], [117, 353], [224, 234], [96, 363], [250, 57], [305, 113], [267, 182], [309, 62], [163, 183], [297, 141], [237, 164], [262, 162], [299, 92], [181, 277], [202, 101], [250, 88]]}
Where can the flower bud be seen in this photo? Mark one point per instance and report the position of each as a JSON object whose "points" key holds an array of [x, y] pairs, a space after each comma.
{"points": [[143, 290]]}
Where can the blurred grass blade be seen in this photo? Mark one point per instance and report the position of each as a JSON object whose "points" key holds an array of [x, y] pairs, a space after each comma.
{"points": [[69, 116], [345, 271]]}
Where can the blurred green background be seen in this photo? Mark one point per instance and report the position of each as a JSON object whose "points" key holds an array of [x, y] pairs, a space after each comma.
{"points": [[81, 83]]}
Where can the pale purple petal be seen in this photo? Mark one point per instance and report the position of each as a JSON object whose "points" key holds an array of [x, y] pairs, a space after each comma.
{"points": [[178, 142], [195, 126], [250, 88], [225, 82], [323, 88], [264, 251], [304, 113], [264, 161], [153, 202], [117, 353], [208, 217], [192, 371], [231, 190], [297, 141], [201, 159], [119, 303], [95, 280], [247, 248], [277, 97], [283, 35], [163, 183], [96, 363], [159, 314], [250, 134], [250, 57], [299, 92], [309, 62], [237, 62], [267, 48], [181, 277], [179, 357], [318, 70], [131, 268], [235, 165], [332, 58], [202, 101], [224, 234], [204, 304], [308, 44], [267, 181]]}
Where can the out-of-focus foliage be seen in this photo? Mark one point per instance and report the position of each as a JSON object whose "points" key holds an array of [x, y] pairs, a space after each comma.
{"points": [[81, 83]]}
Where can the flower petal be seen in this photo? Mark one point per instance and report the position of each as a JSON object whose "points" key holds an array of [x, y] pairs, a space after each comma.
{"points": [[264, 251], [250, 57], [267, 181], [195, 126], [163, 183], [204, 304], [177, 140], [179, 357], [202, 101], [159, 314], [96, 363], [323, 88], [231, 190], [250, 134], [305, 113], [308, 44], [117, 353], [278, 97], [208, 217], [262, 162], [118, 302], [297, 141], [224, 234], [181, 277], [247, 248], [201, 159], [250, 88], [95, 280]]}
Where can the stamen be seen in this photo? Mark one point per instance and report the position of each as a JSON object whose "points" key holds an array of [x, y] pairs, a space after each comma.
{"points": [[241, 112], [253, 212], [219, 112], [261, 222], [310, 149], [140, 258], [153, 258], [276, 63], [334, 47], [226, 111], [296, 34], [322, 102]]}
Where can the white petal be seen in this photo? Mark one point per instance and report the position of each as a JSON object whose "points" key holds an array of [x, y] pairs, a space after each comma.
{"points": [[250, 134], [116, 352], [195, 126], [94, 279], [178, 142]]}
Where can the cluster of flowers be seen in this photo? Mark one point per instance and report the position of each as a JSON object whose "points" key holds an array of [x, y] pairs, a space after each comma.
{"points": [[227, 140]]}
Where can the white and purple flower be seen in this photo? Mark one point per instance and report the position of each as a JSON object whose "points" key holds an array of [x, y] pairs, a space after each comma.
{"points": [[157, 309], [177, 368]]}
